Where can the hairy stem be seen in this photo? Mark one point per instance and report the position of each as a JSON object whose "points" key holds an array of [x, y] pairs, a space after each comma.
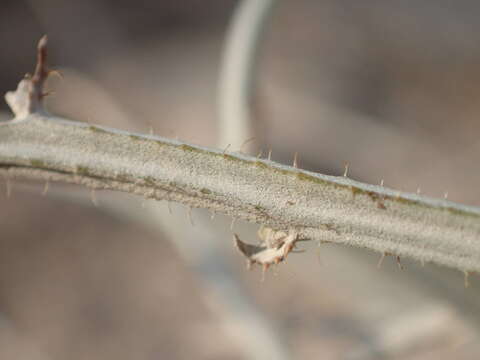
{"points": [[318, 207]]}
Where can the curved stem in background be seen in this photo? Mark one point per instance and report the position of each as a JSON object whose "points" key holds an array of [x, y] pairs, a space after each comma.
{"points": [[237, 74]]}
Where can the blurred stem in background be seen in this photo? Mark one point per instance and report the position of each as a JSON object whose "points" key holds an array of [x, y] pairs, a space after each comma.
{"points": [[238, 72]]}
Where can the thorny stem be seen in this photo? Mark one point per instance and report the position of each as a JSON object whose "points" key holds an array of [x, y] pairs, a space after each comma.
{"points": [[317, 207]]}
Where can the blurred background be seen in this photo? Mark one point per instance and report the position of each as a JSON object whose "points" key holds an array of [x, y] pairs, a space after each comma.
{"points": [[392, 87]]}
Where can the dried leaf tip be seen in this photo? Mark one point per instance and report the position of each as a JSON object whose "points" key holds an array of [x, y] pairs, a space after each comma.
{"points": [[42, 43], [41, 71], [28, 97]]}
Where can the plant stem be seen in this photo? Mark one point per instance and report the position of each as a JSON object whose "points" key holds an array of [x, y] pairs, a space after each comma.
{"points": [[318, 207]]}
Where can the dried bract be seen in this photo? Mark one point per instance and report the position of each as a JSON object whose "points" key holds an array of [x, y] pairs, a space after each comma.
{"points": [[28, 98], [275, 247]]}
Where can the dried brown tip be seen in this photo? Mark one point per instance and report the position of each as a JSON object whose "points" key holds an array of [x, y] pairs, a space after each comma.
{"points": [[27, 99], [42, 43], [41, 71]]}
